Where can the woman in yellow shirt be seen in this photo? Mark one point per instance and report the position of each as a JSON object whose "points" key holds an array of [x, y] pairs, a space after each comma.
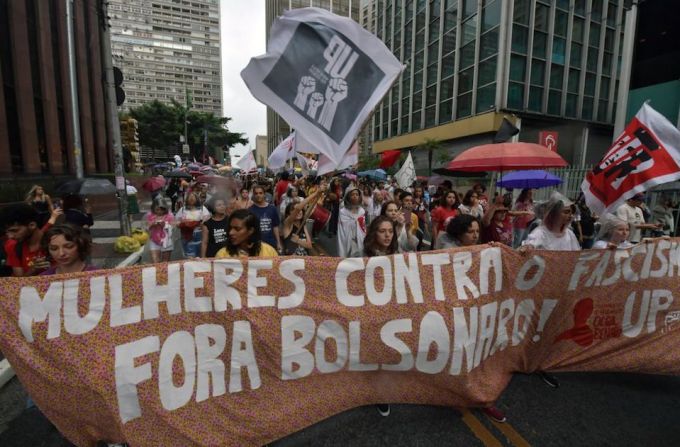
{"points": [[244, 237]]}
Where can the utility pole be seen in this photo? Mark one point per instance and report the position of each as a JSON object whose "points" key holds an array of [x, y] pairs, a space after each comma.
{"points": [[114, 124], [75, 110]]}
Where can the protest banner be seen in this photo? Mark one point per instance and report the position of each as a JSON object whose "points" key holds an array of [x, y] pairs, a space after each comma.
{"points": [[646, 154], [245, 351]]}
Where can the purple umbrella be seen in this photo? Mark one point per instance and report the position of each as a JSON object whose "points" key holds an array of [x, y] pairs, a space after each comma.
{"points": [[528, 179]]}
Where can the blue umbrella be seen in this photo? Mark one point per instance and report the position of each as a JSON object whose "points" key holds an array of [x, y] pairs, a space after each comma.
{"points": [[373, 174], [528, 179]]}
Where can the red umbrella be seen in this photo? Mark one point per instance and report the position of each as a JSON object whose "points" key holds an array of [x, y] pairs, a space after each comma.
{"points": [[506, 157], [154, 183]]}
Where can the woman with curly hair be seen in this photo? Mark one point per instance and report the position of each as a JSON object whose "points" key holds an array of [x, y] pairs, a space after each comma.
{"points": [[244, 237], [42, 203], [67, 248]]}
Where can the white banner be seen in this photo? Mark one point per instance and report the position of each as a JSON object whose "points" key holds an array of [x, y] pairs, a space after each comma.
{"points": [[406, 175], [323, 74], [282, 153], [646, 154]]}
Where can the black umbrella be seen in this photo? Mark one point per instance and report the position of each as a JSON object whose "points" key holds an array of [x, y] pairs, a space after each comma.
{"points": [[86, 187], [178, 174], [450, 173]]}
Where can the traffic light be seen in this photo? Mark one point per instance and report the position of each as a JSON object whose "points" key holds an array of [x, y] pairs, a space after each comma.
{"points": [[118, 81]]}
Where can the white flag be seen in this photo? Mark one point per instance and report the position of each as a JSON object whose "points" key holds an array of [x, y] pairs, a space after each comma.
{"points": [[307, 164], [406, 174], [282, 153], [324, 74], [247, 162], [350, 158]]}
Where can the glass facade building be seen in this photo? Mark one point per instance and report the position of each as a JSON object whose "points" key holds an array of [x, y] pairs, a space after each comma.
{"points": [[543, 58]]}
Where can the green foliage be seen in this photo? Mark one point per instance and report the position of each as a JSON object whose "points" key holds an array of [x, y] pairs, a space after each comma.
{"points": [[368, 161], [160, 125]]}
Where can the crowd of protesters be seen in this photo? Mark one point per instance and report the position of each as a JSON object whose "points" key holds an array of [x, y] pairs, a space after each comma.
{"points": [[284, 216]]}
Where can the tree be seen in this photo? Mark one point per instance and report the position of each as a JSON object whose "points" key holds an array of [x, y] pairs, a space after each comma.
{"points": [[432, 145], [160, 126]]}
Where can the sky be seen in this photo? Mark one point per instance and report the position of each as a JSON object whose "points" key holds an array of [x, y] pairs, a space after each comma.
{"points": [[243, 36]]}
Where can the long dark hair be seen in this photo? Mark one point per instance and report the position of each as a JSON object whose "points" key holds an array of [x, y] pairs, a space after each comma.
{"points": [[251, 222], [442, 200], [524, 195], [371, 243]]}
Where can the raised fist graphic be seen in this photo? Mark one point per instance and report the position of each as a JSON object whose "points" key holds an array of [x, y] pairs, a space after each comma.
{"points": [[335, 92], [306, 86], [315, 102]]}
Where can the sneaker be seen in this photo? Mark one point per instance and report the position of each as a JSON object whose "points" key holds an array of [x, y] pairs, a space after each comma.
{"points": [[549, 380], [494, 413], [383, 409]]}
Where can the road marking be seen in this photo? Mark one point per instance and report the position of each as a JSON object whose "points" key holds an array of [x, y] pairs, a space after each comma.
{"points": [[482, 433], [515, 438]]}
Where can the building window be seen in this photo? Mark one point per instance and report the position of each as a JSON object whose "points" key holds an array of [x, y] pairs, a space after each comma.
{"points": [[469, 30], [519, 39], [415, 120], [556, 76], [430, 116], [445, 110], [449, 42], [554, 98], [516, 96], [602, 111], [535, 99], [540, 44], [559, 50], [604, 87], [487, 71], [570, 109], [467, 55], [486, 98], [464, 105], [448, 64], [488, 44], [521, 12], [469, 8], [537, 72], [587, 109], [575, 56], [446, 91], [541, 17], [450, 19], [465, 80], [518, 67], [574, 79], [491, 16]]}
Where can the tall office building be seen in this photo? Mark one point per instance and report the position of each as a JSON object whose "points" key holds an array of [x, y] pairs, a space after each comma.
{"points": [[36, 112], [277, 128], [168, 48], [553, 63]]}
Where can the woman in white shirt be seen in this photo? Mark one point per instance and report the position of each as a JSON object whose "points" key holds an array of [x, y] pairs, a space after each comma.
{"points": [[554, 232], [614, 233]]}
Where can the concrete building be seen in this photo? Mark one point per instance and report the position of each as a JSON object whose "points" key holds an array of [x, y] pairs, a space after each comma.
{"points": [[168, 48], [36, 133], [261, 153], [554, 65], [277, 128]]}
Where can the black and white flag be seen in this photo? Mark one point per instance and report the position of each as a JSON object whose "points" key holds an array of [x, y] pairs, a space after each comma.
{"points": [[323, 74]]}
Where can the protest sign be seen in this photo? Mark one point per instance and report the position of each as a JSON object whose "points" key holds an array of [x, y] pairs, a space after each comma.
{"points": [[323, 74], [646, 154], [245, 351]]}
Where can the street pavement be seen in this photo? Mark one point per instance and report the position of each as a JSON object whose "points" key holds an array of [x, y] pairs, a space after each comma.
{"points": [[588, 409]]}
